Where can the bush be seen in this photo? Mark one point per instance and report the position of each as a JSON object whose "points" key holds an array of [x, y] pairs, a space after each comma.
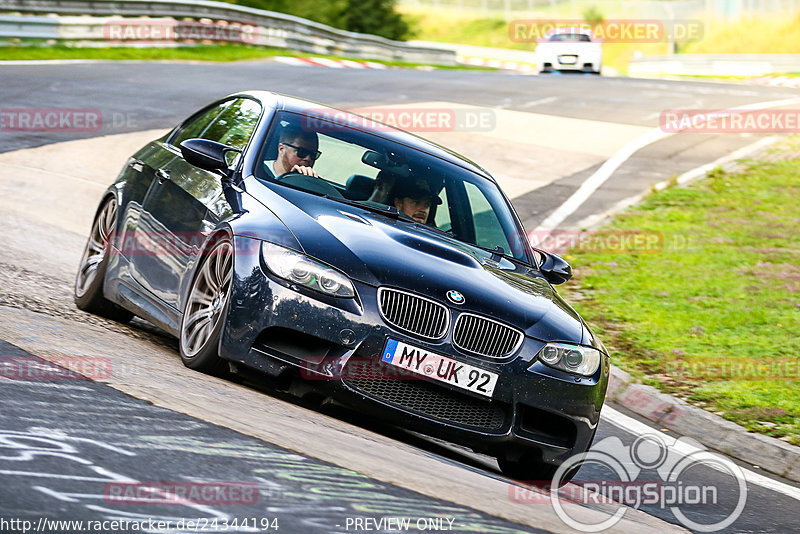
{"points": [[377, 17], [593, 16]]}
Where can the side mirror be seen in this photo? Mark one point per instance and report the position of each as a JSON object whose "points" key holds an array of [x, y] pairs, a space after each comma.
{"points": [[208, 155], [554, 268]]}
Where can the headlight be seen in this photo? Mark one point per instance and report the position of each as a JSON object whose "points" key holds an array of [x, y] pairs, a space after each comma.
{"points": [[571, 358], [299, 269]]}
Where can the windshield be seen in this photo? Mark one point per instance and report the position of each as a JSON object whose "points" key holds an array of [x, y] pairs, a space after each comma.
{"points": [[345, 164], [574, 37]]}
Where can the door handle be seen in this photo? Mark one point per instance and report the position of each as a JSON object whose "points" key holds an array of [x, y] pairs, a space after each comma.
{"points": [[162, 175]]}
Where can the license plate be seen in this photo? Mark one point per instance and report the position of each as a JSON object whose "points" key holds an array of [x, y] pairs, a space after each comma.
{"points": [[568, 60], [437, 367]]}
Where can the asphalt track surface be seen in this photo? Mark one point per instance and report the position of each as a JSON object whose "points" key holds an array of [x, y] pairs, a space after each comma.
{"points": [[137, 441]]}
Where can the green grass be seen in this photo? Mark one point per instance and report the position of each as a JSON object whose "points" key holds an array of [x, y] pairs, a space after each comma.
{"points": [[769, 35], [712, 314], [445, 26], [217, 53], [196, 53]]}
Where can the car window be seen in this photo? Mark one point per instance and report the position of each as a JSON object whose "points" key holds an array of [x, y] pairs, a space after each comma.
{"points": [[198, 124], [466, 205], [341, 160], [235, 125], [572, 37], [488, 231]]}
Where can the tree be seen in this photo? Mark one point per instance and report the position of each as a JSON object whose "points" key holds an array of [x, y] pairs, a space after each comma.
{"points": [[375, 16]]}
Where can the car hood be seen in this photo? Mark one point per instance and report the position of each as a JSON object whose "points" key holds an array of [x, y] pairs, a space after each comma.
{"points": [[381, 251]]}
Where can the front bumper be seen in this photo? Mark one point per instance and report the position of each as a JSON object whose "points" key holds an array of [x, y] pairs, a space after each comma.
{"points": [[335, 344]]}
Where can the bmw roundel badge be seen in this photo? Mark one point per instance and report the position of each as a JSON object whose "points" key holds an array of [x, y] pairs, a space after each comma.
{"points": [[455, 297]]}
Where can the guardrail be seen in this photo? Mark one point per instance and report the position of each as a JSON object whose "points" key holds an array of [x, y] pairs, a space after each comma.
{"points": [[270, 28], [715, 64]]}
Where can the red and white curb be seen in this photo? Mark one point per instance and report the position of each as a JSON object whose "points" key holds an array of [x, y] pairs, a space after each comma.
{"points": [[777, 81], [330, 63]]}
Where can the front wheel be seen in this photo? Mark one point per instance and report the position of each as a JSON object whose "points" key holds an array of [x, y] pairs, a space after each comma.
{"points": [[201, 325], [88, 292]]}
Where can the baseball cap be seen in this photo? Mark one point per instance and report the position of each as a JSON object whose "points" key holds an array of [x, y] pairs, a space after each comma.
{"points": [[417, 189]]}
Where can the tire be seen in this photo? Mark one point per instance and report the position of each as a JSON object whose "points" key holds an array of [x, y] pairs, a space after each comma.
{"points": [[88, 292], [206, 305]]}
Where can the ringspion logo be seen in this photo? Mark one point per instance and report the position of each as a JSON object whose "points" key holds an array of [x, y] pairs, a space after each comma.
{"points": [[652, 471]]}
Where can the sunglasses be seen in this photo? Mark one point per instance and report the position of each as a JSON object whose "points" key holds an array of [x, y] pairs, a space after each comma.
{"points": [[303, 153]]}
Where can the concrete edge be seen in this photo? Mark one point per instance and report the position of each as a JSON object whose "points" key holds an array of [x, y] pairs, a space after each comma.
{"points": [[769, 454]]}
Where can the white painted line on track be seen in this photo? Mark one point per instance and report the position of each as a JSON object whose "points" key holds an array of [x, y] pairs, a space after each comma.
{"points": [[683, 179], [608, 168], [637, 428], [539, 102]]}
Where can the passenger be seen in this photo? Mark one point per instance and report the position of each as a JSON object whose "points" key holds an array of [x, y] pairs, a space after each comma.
{"points": [[297, 151], [415, 199], [384, 183]]}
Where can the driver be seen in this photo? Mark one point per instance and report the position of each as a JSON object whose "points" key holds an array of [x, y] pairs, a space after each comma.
{"points": [[415, 199], [298, 149]]}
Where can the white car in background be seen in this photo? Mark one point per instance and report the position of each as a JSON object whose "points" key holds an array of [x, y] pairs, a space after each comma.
{"points": [[569, 49]]}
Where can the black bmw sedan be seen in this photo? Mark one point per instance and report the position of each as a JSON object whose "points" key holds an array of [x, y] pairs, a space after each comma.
{"points": [[388, 273]]}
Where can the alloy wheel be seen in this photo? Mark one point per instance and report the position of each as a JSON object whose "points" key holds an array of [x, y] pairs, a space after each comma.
{"points": [[207, 299]]}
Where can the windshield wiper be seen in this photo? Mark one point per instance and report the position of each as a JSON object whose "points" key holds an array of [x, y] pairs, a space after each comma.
{"points": [[499, 252], [388, 211]]}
